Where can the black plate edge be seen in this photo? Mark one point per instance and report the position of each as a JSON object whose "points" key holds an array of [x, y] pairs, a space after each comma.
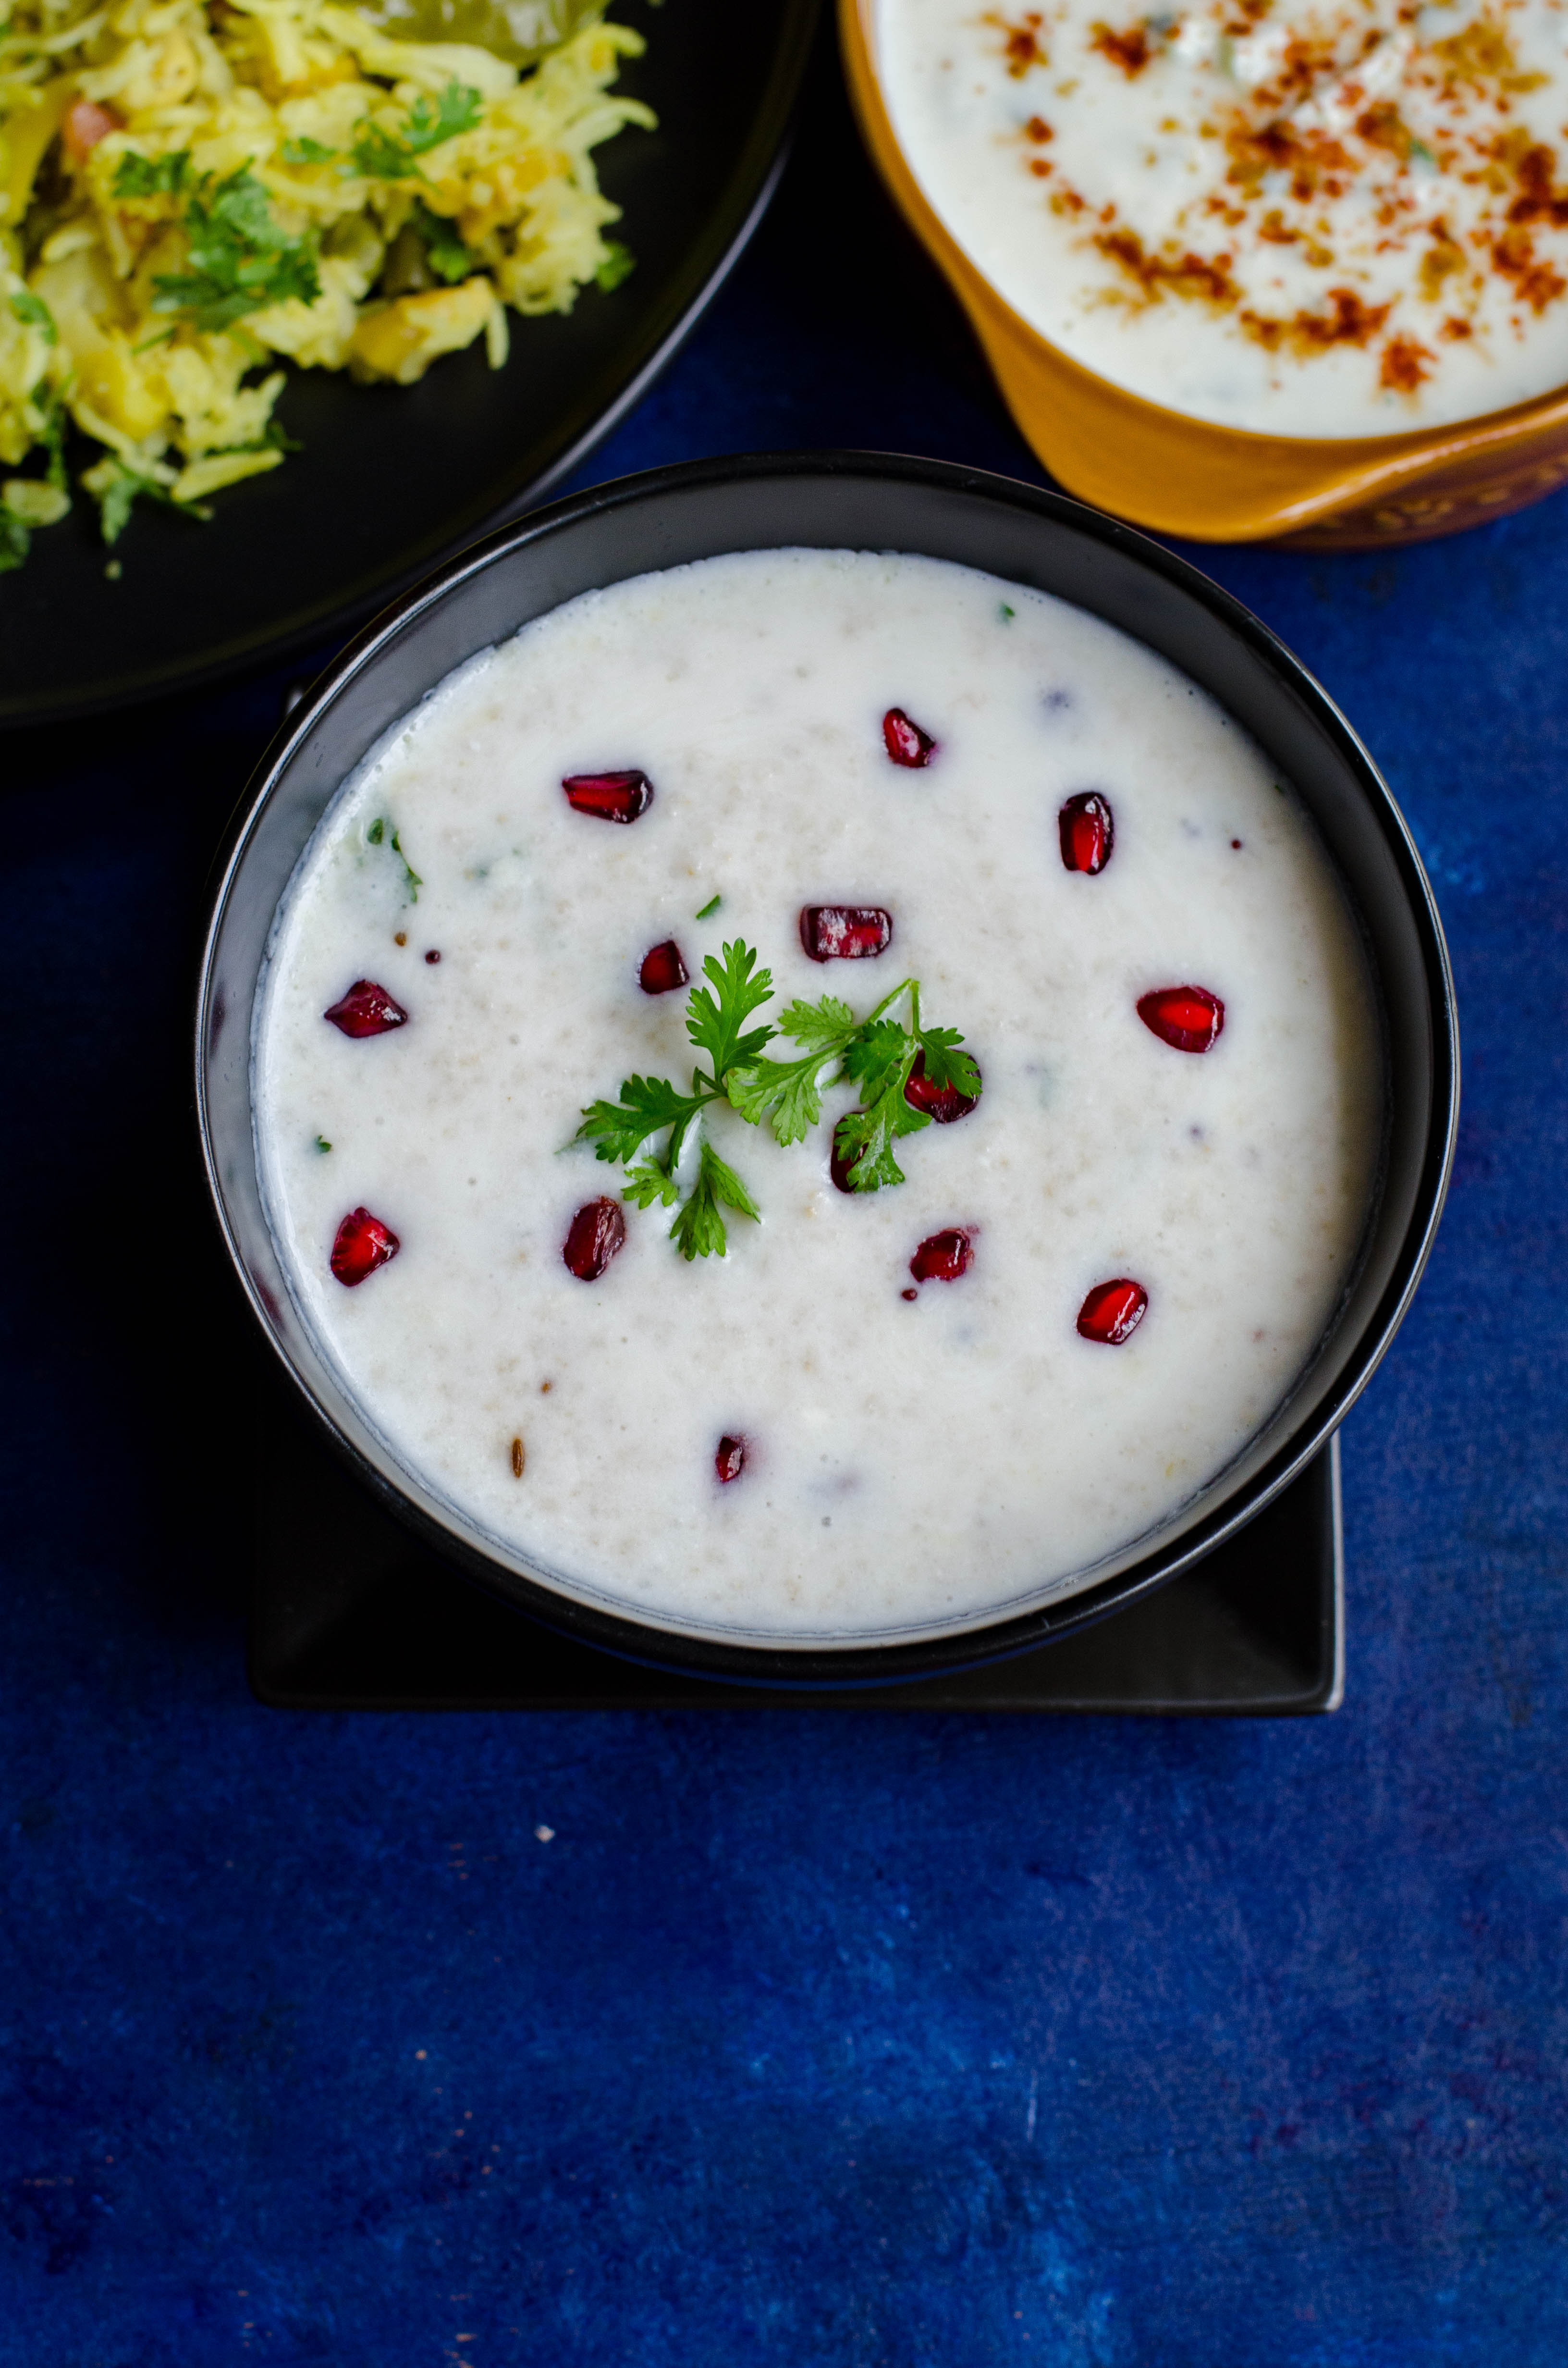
{"points": [[714, 257]]}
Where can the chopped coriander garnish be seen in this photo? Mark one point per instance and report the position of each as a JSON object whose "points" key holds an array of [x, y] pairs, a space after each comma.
{"points": [[381, 155], [322, 1143], [617, 263], [306, 152], [152, 176], [380, 836], [449, 258], [34, 313], [240, 260], [876, 1054], [117, 487], [51, 435], [709, 908], [1006, 614]]}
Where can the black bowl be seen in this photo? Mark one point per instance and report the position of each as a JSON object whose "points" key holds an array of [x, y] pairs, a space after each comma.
{"points": [[861, 501]]}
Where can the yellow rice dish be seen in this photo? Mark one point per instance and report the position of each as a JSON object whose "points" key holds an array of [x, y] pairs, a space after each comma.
{"points": [[191, 190]]}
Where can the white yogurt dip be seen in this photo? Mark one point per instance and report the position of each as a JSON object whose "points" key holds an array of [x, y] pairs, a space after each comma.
{"points": [[915, 1454], [1314, 218]]}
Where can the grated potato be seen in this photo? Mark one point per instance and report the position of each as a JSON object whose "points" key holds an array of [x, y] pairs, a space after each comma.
{"points": [[192, 189]]}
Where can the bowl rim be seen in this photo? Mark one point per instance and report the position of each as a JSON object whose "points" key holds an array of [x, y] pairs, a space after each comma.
{"points": [[1091, 431], [859, 1663]]}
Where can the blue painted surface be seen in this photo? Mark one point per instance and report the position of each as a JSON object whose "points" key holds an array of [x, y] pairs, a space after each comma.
{"points": [[839, 2038]]}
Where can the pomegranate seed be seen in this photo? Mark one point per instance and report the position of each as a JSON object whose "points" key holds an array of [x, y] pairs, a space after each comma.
{"points": [[944, 1103], [1188, 1018], [662, 969], [845, 932], [366, 1010], [942, 1257], [907, 743], [614, 797], [594, 1235], [434, 955], [729, 1460], [86, 124], [362, 1244], [910, 1294], [1087, 829], [1113, 1311]]}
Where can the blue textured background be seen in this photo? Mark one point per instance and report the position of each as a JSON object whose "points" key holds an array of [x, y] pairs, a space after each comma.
{"points": [[838, 2038]]}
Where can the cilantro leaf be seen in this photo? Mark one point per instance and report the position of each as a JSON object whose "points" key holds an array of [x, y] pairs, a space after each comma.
{"points": [[119, 487], [870, 1135], [449, 258], [379, 155], [619, 264], [240, 260], [699, 1229], [647, 1105], [879, 1059], [822, 1024], [715, 1028], [647, 1182], [152, 176], [786, 1093], [789, 1093], [51, 435], [306, 152], [945, 1065], [34, 313], [709, 909]]}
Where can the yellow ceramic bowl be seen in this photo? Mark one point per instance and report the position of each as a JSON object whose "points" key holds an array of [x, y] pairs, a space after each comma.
{"points": [[1219, 484]]}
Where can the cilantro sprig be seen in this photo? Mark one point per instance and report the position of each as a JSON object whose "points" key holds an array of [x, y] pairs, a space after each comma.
{"points": [[379, 154], [240, 260], [876, 1054]]}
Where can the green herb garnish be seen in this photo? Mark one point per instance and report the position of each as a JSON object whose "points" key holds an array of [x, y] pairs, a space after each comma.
{"points": [[51, 435], [16, 541], [617, 263], [152, 176], [1005, 614], [709, 908], [449, 258], [305, 152], [117, 488], [240, 260], [322, 1143], [380, 836], [876, 1054], [34, 313], [381, 155]]}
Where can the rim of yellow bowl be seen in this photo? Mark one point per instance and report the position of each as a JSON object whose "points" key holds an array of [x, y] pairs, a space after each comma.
{"points": [[1160, 468]]}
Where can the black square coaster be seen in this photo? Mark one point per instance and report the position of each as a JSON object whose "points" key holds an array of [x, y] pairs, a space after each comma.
{"points": [[351, 1613]]}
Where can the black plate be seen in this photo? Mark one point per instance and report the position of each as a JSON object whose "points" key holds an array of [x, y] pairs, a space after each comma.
{"points": [[349, 1611], [393, 478]]}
